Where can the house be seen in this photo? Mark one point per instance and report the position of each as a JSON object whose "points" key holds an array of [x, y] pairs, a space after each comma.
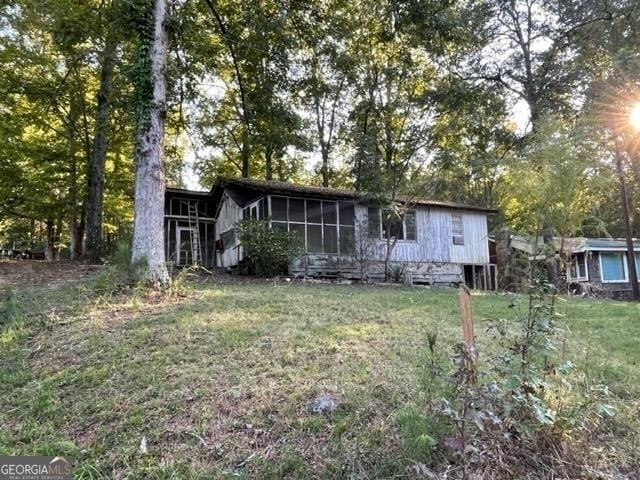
{"points": [[342, 231], [599, 266]]}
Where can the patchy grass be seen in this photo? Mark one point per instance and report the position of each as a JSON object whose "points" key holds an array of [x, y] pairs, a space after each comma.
{"points": [[217, 380]]}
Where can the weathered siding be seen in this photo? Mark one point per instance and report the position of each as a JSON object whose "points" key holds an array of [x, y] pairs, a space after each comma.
{"points": [[476, 240], [435, 241], [431, 258], [230, 213]]}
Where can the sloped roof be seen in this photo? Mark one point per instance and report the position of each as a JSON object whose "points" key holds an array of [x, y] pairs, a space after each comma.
{"points": [[594, 244], [184, 191], [285, 188], [574, 244]]}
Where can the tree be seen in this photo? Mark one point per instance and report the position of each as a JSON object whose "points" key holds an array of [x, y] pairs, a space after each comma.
{"points": [[95, 171], [148, 244]]}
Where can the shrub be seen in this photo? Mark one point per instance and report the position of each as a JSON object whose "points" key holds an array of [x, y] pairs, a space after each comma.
{"points": [[518, 415], [269, 250]]}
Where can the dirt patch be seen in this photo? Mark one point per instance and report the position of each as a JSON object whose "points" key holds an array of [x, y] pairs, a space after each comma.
{"points": [[29, 273]]}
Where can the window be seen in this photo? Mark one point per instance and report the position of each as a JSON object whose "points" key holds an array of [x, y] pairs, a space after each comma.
{"points": [[613, 267], [578, 267], [279, 209], [457, 229], [254, 211], [410, 229], [396, 229], [373, 217], [323, 226], [400, 228]]}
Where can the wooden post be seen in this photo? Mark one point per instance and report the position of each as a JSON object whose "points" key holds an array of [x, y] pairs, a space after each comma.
{"points": [[467, 331]]}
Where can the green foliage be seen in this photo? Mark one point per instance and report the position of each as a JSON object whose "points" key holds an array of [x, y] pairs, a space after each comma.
{"points": [[269, 250], [518, 403], [396, 272]]}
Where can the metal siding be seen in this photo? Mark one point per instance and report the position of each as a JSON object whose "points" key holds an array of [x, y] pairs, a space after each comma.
{"points": [[230, 214], [476, 240], [435, 242]]}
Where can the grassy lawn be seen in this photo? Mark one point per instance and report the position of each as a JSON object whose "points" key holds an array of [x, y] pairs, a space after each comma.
{"points": [[217, 380]]}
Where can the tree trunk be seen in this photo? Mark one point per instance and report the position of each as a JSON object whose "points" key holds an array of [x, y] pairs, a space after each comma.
{"points": [[95, 177], [268, 162], [325, 167], [148, 225], [245, 154], [50, 249]]}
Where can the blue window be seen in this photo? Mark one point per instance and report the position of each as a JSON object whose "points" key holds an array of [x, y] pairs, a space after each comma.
{"points": [[613, 267]]}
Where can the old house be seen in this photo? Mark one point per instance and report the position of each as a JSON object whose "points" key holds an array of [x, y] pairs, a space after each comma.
{"points": [[342, 232], [599, 266]]}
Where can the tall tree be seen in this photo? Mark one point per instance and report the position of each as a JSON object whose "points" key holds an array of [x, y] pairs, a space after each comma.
{"points": [[151, 89], [96, 169]]}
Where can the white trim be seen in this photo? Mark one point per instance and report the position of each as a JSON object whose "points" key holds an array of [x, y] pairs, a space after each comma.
{"points": [[624, 264], [183, 217], [337, 225], [586, 268], [383, 239], [178, 230]]}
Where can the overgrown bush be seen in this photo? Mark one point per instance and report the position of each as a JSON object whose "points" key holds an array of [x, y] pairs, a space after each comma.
{"points": [[518, 415], [269, 251]]}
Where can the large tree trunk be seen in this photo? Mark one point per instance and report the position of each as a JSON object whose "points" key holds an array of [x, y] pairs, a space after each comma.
{"points": [[148, 225], [95, 177]]}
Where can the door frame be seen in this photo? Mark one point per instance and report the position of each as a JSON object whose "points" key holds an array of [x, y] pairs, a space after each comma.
{"points": [[178, 231]]}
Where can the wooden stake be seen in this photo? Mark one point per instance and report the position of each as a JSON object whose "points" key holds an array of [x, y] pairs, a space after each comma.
{"points": [[467, 330]]}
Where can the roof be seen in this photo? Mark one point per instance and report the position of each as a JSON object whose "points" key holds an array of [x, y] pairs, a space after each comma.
{"points": [[582, 244], [574, 244], [184, 191], [285, 188]]}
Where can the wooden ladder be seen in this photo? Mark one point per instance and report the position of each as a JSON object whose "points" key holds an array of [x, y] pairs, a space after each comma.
{"points": [[194, 226]]}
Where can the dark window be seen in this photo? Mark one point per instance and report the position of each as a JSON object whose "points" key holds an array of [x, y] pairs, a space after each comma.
{"points": [[395, 228], [279, 226], [254, 212], [314, 212], [262, 209], [279, 209], [373, 216], [314, 238], [296, 210], [410, 226], [330, 239], [329, 212], [347, 214], [347, 241], [298, 229]]}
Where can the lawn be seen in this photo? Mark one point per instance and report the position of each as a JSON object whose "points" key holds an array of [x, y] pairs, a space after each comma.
{"points": [[213, 382]]}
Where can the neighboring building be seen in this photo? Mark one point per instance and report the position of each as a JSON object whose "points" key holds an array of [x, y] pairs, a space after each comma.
{"points": [[594, 266], [599, 266], [342, 232]]}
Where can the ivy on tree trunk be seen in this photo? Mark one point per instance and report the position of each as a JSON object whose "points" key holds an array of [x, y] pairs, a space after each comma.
{"points": [[148, 239]]}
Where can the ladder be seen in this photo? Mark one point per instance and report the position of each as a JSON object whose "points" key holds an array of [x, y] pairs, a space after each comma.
{"points": [[194, 228]]}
